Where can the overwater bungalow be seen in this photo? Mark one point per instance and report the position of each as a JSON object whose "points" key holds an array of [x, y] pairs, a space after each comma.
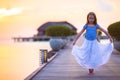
{"points": [[41, 29]]}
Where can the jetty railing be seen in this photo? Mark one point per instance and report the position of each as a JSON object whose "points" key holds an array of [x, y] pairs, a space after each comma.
{"points": [[34, 38]]}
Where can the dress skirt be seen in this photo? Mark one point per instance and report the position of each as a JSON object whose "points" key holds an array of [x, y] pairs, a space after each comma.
{"points": [[92, 54]]}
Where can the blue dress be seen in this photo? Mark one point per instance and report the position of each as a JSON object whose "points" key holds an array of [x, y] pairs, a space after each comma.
{"points": [[92, 54], [91, 32]]}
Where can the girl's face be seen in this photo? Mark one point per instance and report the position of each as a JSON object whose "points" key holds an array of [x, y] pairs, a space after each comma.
{"points": [[91, 19]]}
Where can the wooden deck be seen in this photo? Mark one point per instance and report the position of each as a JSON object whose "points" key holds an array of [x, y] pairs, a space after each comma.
{"points": [[65, 67]]}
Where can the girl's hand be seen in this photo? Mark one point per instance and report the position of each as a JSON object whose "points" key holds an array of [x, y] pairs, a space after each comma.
{"points": [[74, 42], [111, 40]]}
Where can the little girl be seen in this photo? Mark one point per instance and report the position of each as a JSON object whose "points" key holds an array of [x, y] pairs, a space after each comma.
{"points": [[92, 54]]}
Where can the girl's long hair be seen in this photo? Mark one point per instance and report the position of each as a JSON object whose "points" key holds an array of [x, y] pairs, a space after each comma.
{"points": [[95, 21]]}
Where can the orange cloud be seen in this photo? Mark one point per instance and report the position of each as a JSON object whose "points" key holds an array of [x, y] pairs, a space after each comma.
{"points": [[7, 12]]}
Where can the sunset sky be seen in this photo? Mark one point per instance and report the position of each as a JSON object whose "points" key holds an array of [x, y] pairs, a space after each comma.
{"points": [[23, 17]]}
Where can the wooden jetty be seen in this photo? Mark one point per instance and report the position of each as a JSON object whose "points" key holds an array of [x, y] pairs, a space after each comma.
{"points": [[65, 67], [34, 38]]}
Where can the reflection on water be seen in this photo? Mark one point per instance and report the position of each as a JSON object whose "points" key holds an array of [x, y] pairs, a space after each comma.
{"points": [[19, 59]]}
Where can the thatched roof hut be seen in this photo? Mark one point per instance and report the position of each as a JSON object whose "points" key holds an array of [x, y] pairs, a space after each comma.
{"points": [[41, 29]]}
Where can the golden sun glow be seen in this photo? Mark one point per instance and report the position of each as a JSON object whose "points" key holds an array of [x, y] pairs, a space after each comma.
{"points": [[23, 20], [7, 12]]}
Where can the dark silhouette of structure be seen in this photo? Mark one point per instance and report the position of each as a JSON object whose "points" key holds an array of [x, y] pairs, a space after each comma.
{"points": [[41, 29]]}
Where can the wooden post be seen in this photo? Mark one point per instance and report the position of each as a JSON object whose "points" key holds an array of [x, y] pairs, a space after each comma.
{"points": [[43, 55]]}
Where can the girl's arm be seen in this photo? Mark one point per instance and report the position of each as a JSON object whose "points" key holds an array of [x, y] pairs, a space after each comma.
{"points": [[111, 40], [78, 35]]}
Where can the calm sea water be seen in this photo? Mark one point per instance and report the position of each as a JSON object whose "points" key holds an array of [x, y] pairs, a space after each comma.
{"points": [[19, 59]]}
